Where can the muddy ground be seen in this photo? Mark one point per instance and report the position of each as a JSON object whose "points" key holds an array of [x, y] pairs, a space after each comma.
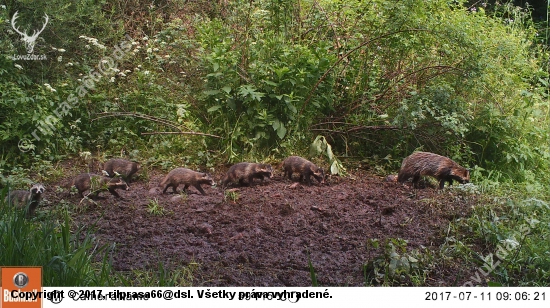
{"points": [[261, 235]]}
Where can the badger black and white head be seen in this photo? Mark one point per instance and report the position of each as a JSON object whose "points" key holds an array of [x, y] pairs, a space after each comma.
{"points": [[37, 189]]}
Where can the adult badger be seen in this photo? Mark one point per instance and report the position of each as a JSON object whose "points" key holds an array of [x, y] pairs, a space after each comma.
{"points": [[440, 167]]}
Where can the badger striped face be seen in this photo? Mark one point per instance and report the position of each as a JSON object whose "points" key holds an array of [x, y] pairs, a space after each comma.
{"points": [[462, 174], [37, 189], [267, 169], [207, 179], [320, 174]]}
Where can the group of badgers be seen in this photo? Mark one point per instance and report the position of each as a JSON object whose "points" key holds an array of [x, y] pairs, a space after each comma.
{"points": [[243, 173], [414, 166]]}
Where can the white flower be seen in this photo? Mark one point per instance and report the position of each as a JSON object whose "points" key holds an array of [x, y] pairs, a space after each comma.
{"points": [[134, 43], [87, 46], [146, 72], [139, 66], [60, 58], [69, 64], [112, 79], [155, 49], [167, 56], [127, 71], [122, 75], [3, 7], [146, 38], [47, 85], [54, 48], [61, 50], [149, 50], [18, 66]]}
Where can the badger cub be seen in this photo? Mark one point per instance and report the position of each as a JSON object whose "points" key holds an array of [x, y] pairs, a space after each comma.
{"points": [[440, 167], [302, 166], [247, 171], [121, 166], [24, 198], [186, 177], [97, 184]]}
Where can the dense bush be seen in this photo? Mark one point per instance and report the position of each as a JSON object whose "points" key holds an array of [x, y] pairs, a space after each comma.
{"points": [[265, 78]]}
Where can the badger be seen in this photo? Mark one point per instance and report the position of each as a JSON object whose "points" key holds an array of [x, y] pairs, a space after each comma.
{"points": [[247, 171], [302, 166], [440, 167], [121, 166], [26, 198], [187, 177], [97, 183]]}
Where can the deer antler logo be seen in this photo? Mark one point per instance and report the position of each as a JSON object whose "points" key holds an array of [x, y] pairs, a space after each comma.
{"points": [[28, 40]]}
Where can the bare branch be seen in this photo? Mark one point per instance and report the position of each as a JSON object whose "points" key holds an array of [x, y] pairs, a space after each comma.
{"points": [[345, 57], [180, 133], [137, 115], [154, 119]]}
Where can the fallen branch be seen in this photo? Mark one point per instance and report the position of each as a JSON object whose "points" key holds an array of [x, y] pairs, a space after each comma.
{"points": [[180, 133], [154, 119], [136, 115]]}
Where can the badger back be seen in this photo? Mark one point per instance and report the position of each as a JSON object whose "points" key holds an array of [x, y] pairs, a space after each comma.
{"points": [[430, 164], [172, 176]]}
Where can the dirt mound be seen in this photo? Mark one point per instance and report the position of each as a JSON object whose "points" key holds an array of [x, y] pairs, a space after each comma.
{"points": [[262, 235]]}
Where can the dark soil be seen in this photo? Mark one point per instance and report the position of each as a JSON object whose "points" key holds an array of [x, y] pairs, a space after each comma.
{"points": [[263, 238]]}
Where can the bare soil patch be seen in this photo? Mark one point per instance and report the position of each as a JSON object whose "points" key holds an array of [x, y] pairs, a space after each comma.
{"points": [[263, 238]]}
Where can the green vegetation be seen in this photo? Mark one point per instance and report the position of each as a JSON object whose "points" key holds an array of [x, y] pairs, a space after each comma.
{"points": [[154, 208], [219, 82], [71, 257], [68, 258]]}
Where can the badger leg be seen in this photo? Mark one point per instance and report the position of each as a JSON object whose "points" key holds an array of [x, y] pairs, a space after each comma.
{"points": [[185, 187], [415, 180], [442, 183], [114, 193], [251, 180], [165, 188], [174, 188], [199, 188], [308, 179]]}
